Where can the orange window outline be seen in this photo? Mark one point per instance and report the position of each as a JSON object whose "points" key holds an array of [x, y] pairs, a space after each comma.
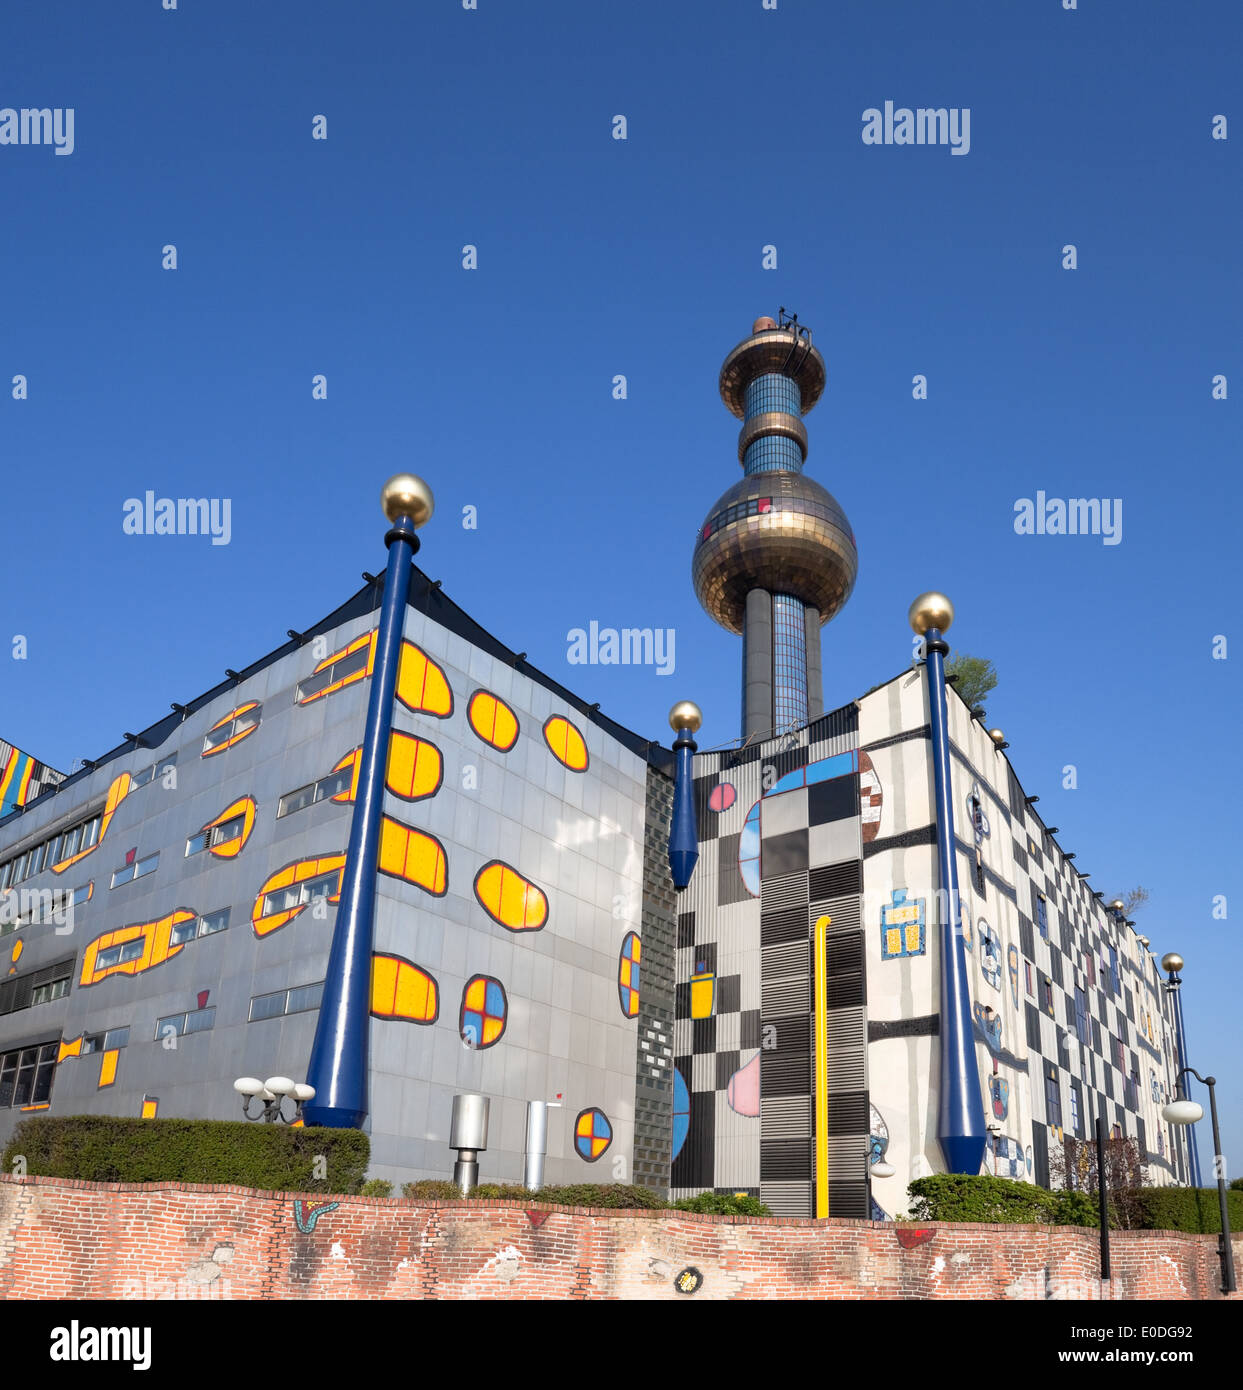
{"points": [[298, 871], [245, 807], [367, 639], [570, 752], [118, 790], [504, 883], [156, 947], [484, 712], [402, 990], [413, 856], [422, 685], [233, 738]]}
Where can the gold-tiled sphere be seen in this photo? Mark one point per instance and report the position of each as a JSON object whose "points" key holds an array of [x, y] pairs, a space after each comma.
{"points": [[997, 736], [800, 543], [1117, 905], [782, 352], [930, 610], [1172, 962], [406, 494], [686, 714]]}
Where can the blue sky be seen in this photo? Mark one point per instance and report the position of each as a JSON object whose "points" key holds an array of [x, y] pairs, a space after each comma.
{"points": [[600, 257]]}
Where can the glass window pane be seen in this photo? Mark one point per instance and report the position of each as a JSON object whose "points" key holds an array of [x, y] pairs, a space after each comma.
{"points": [[69, 842], [43, 1082], [214, 922], [146, 866], [116, 1037], [305, 997], [356, 661], [200, 1020], [314, 684], [184, 931], [295, 801], [230, 830], [247, 720], [333, 785], [173, 1022], [196, 844], [267, 1006]]}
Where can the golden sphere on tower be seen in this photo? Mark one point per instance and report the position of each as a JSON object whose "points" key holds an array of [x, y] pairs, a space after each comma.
{"points": [[686, 714], [405, 494], [1117, 905], [1172, 962], [930, 610], [763, 325], [997, 736]]}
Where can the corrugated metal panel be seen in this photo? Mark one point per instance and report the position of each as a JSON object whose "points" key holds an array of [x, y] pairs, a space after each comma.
{"points": [[791, 995], [791, 959], [790, 890], [787, 1198], [786, 1117], [843, 913]]}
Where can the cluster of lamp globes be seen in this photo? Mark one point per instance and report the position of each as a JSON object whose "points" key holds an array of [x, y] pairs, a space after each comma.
{"points": [[272, 1092]]}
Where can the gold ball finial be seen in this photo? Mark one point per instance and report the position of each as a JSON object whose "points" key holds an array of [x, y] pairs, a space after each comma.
{"points": [[1117, 905], [930, 610], [686, 714], [997, 736], [405, 494], [763, 324], [1172, 962]]}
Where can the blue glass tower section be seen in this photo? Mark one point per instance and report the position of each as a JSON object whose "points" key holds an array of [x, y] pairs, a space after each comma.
{"points": [[772, 394], [775, 557]]}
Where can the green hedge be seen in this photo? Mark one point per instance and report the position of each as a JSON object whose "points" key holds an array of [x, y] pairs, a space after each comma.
{"points": [[965, 1197], [615, 1196], [1194, 1209], [271, 1157]]}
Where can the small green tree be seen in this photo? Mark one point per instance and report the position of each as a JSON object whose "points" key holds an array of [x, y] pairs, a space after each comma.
{"points": [[977, 676]]}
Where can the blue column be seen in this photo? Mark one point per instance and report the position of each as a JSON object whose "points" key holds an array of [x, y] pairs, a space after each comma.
{"points": [[339, 1055], [960, 1110], [1193, 1154], [683, 833]]}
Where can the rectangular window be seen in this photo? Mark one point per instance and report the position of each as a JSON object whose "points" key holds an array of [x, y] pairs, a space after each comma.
{"points": [[1089, 966], [116, 1037], [305, 997], [1027, 970], [53, 989], [267, 1006], [173, 1024], [26, 1075], [1081, 1015], [299, 894], [1046, 989], [293, 1001], [201, 1020], [1115, 982], [212, 922], [1053, 1098], [1042, 915], [333, 785], [1075, 1124], [296, 801], [183, 932], [138, 869]]}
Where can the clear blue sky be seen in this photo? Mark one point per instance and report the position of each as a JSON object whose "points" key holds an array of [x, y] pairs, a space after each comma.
{"points": [[599, 257]]}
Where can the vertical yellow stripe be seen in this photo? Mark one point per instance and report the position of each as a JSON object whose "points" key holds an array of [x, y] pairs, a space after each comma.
{"points": [[822, 1070]]}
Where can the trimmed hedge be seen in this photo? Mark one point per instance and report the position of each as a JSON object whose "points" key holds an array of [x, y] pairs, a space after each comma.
{"points": [[271, 1157], [966, 1197], [1193, 1209], [613, 1196]]}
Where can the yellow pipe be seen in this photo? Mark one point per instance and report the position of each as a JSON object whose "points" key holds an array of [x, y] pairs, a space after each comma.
{"points": [[822, 1070]]}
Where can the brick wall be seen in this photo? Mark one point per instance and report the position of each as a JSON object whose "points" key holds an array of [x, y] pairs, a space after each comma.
{"points": [[62, 1239]]}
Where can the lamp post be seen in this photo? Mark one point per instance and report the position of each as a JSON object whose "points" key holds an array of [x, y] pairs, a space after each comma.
{"points": [[272, 1093], [684, 719], [1173, 962], [338, 1066], [960, 1108], [1182, 1111]]}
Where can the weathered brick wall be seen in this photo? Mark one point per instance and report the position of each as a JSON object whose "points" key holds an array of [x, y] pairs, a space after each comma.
{"points": [[63, 1239]]}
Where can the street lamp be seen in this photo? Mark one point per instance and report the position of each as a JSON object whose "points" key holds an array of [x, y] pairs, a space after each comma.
{"points": [[272, 1093], [1173, 963], [1182, 1111]]}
